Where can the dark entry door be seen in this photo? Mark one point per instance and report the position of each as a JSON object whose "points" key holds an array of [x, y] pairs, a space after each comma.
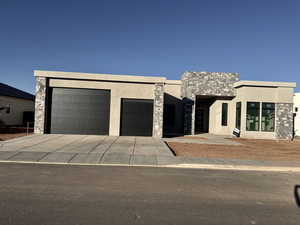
{"points": [[201, 120], [136, 117], [78, 111]]}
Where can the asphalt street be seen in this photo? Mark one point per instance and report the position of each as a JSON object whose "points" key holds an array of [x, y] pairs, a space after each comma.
{"points": [[64, 194]]}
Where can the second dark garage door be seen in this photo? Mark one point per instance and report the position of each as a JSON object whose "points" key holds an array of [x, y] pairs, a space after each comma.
{"points": [[78, 111], [136, 117]]}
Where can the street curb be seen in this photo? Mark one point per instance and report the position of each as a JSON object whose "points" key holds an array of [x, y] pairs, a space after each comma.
{"points": [[238, 167], [183, 166]]}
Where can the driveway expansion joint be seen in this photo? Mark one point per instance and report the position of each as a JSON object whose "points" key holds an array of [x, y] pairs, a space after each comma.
{"points": [[103, 154]]}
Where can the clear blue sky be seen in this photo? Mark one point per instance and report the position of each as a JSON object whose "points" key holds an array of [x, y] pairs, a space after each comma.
{"points": [[260, 39]]}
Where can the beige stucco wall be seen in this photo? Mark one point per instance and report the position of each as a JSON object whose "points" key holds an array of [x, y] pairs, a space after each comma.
{"points": [[118, 90], [297, 118], [173, 96], [260, 94], [99, 76], [247, 94], [173, 89], [215, 118], [266, 94], [17, 107]]}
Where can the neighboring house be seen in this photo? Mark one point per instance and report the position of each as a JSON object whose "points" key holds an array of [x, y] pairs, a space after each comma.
{"points": [[201, 102], [297, 113], [16, 106]]}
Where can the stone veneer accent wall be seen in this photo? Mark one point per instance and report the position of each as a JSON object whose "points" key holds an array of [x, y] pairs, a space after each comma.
{"points": [[204, 83], [158, 110], [284, 121], [208, 83], [40, 105]]}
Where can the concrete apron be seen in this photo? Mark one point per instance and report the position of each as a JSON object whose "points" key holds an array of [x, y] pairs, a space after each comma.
{"points": [[86, 149]]}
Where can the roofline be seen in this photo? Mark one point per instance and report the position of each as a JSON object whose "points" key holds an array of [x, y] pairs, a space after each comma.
{"points": [[176, 82], [100, 77], [264, 84], [12, 92], [17, 97]]}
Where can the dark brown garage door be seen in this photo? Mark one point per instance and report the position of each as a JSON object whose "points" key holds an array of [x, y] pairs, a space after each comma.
{"points": [[78, 111], [136, 117]]}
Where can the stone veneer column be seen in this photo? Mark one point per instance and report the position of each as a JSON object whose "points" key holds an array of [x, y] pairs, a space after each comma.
{"points": [[189, 115], [40, 105], [284, 121], [158, 107]]}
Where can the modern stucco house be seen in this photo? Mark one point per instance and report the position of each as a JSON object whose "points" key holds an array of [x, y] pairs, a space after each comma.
{"points": [[201, 102], [16, 106], [297, 114]]}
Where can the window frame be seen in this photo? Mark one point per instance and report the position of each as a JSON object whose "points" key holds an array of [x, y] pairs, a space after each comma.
{"points": [[238, 123], [224, 114], [259, 116]]}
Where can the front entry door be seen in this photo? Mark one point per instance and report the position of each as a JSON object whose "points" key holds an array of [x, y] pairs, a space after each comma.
{"points": [[201, 120]]}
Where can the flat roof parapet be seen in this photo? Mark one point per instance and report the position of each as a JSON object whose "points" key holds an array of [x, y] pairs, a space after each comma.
{"points": [[264, 84], [99, 77]]}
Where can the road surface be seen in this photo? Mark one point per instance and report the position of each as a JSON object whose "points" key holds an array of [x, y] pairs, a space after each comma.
{"points": [[82, 195]]}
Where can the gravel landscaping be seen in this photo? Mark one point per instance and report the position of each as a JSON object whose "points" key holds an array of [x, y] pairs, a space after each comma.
{"points": [[251, 149]]}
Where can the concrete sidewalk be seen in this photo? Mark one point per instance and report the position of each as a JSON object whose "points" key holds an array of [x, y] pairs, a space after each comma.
{"points": [[204, 139]]}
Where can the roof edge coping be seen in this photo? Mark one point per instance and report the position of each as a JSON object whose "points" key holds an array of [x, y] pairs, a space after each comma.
{"points": [[100, 77], [264, 83]]}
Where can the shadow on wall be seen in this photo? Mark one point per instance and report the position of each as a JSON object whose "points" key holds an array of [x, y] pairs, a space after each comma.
{"points": [[296, 194], [173, 116], [2, 124]]}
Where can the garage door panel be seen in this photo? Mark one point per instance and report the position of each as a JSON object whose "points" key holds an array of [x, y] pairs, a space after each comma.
{"points": [[79, 111], [136, 117]]}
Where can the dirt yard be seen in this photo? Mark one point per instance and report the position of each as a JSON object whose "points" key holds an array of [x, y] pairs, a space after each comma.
{"points": [[191, 137], [251, 150], [7, 133], [4, 137]]}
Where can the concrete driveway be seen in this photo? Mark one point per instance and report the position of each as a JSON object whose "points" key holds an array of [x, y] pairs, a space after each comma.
{"points": [[90, 149]]}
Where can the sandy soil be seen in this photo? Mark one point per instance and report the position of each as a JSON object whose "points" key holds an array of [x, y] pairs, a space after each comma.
{"points": [[251, 149], [192, 137]]}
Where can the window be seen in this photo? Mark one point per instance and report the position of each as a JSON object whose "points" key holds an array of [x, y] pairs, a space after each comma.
{"points": [[224, 113], [169, 114], [238, 114], [253, 111], [268, 117], [5, 109]]}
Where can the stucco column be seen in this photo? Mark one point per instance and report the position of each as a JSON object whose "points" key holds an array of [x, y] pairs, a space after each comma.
{"points": [[40, 105], [158, 109], [284, 121]]}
